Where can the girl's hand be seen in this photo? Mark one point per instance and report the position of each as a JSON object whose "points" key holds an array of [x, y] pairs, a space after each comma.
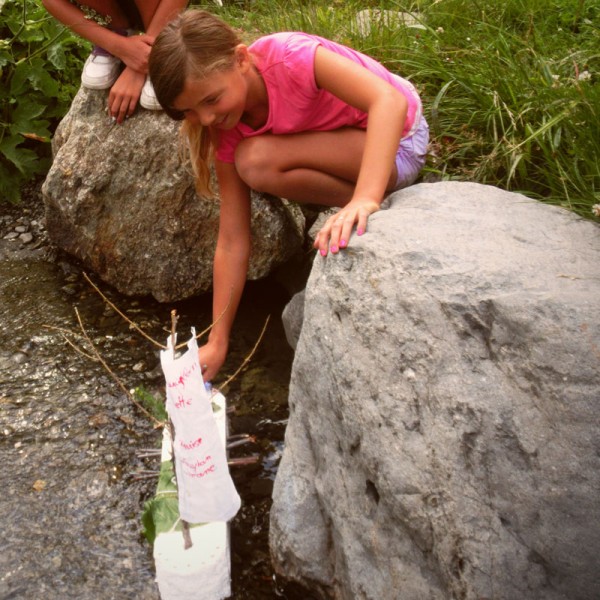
{"points": [[125, 93], [135, 51], [211, 356], [335, 234]]}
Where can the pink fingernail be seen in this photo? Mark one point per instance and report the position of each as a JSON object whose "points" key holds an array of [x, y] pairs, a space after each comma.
{"points": [[323, 252], [343, 243], [334, 248], [359, 231]]}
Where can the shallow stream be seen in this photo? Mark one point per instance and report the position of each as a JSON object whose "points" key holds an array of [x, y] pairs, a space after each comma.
{"points": [[72, 479]]}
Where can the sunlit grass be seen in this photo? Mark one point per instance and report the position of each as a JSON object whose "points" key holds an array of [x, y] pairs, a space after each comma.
{"points": [[511, 89]]}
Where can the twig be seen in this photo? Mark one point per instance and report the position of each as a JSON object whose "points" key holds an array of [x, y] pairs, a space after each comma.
{"points": [[243, 460], [140, 330], [124, 316], [248, 440], [247, 359], [115, 378], [174, 319], [63, 332], [78, 349], [238, 436], [205, 331], [156, 454], [187, 538]]}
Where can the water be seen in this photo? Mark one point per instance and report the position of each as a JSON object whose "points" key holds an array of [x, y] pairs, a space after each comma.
{"points": [[70, 438]]}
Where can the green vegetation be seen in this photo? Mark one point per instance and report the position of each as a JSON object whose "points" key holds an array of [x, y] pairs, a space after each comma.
{"points": [[40, 68], [154, 405], [511, 89]]}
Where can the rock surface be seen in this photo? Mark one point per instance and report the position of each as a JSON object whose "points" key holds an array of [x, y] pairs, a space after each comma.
{"points": [[444, 432], [121, 199]]}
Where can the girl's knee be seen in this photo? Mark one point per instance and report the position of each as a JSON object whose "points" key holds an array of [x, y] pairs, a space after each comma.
{"points": [[252, 163]]}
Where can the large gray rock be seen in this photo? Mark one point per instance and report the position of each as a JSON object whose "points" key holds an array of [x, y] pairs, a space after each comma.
{"points": [[122, 201], [444, 435]]}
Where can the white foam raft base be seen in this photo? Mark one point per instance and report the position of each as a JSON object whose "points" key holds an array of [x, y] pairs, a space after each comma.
{"points": [[202, 572]]}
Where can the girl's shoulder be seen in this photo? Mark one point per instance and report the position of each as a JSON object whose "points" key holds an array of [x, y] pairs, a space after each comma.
{"points": [[283, 43]]}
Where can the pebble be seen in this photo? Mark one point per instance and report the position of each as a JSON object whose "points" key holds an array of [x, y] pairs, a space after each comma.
{"points": [[70, 289], [19, 358], [22, 229]]}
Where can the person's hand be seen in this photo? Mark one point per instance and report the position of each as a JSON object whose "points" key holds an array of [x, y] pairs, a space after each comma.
{"points": [[125, 93], [211, 356], [135, 51], [335, 234]]}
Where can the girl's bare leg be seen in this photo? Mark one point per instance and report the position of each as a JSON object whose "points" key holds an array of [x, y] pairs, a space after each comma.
{"points": [[319, 167], [147, 10], [156, 14], [111, 9]]}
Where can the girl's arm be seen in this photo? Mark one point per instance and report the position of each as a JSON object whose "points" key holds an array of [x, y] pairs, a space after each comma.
{"points": [[71, 16], [125, 93], [387, 109], [230, 265], [132, 50], [165, 11]]}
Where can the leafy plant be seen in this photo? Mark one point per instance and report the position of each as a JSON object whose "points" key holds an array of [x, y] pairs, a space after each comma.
{"points": [[40, 67], [155, 406]]}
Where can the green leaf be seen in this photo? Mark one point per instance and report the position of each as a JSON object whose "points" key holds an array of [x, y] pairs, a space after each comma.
{"points": [[31, 33], [18, 84], [5, 57], [36, 75], [41, 80], [25, 111], [57, 56], [25, 122], [10, 184], [24, 159]]}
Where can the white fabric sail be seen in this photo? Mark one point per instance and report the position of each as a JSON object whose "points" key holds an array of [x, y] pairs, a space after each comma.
{"points": [[206, 490]]}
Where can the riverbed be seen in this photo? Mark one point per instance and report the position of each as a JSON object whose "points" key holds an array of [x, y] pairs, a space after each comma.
{"points": [[73, 482]]}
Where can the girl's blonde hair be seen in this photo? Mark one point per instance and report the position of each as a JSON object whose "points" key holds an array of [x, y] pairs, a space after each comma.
{"points": [[194, 45]]}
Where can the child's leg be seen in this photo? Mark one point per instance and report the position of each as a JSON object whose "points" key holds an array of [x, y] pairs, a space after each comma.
{"points": [[320, 167], [111, 9], [147, 10], [155, 14], [101, 69]]}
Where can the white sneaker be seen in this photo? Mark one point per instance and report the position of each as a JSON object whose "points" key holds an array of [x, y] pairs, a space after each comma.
{"points": [[148, 97], [100, 71]]}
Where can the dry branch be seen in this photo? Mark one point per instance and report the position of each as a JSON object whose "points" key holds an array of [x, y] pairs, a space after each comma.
{"points": [[247, 359], [99, 358]]}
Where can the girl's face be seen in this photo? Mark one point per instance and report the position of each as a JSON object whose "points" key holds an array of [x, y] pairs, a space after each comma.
{"points": [[218, 100]]}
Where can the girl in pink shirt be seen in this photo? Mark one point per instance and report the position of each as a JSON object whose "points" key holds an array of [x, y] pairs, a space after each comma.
{"points": [[293, 115]]}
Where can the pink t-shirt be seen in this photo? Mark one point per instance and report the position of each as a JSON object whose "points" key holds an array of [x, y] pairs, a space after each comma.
{"points": [[286, 64]]}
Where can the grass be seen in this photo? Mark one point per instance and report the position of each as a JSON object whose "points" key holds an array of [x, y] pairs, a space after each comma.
{"points": [[511, 89]]}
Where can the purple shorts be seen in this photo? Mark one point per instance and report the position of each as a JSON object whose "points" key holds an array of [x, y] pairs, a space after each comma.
{"points": [[411, 155]]}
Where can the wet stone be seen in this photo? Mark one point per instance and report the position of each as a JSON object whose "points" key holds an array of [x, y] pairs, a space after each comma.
{"points": [[70, 289], [19, 358], [26, 238]]}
